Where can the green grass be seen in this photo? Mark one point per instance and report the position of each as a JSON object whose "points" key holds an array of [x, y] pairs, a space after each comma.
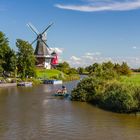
{"points": [[55, 74], [133, 79], [44, 73]]}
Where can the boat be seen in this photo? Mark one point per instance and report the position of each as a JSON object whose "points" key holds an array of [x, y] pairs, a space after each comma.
{"points": [[61, 94], [25, 84], [54, 82]]}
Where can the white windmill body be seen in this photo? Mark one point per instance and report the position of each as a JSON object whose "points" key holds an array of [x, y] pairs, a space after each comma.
{"points": [[42, 50], [48, 57]]}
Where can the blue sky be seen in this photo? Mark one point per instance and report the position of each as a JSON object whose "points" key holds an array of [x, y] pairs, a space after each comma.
{"points": [[84, 31]]}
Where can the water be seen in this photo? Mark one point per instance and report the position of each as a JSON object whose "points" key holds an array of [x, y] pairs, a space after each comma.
{"points": [[34, 114]]}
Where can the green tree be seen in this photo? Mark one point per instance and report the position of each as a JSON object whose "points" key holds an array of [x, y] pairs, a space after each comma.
{"points": [[64, 67], [108, 65], [25, 59], [72, 71], [125, 70], [105, 71], [7, 55], [80, 70], [92, 68], [1, 68], [117, 68]]}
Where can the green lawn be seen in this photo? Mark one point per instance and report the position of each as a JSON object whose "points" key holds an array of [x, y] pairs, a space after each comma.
{"points": [[44, 73], [55, 74], [133, 79]]}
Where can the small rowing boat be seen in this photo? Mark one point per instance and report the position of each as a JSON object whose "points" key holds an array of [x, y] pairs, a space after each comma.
{"points": [[61, 93]]}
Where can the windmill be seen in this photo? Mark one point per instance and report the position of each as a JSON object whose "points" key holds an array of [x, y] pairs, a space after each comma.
{"points": [[42, 50]]}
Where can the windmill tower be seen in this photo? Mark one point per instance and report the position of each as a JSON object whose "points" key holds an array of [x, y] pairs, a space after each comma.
{"points": [[42, 50]]}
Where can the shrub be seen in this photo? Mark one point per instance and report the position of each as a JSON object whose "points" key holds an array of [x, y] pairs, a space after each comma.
{"points": [[111, 94], [119, 98], [136, 96], [89, 89]]}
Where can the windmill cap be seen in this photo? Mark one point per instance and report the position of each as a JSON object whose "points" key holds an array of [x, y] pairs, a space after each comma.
{"points": [[53, 53]]}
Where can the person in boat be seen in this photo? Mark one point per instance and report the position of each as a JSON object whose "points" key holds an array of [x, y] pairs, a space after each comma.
{"points": [[62, 91]]}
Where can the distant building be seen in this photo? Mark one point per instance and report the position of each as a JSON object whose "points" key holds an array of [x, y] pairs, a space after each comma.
{"points": [[43, 55]]}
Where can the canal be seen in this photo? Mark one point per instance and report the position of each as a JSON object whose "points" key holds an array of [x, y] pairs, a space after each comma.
{"points": [[34, 114]]}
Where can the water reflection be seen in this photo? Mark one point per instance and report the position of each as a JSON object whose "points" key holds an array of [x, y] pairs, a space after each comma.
{"points": [[34, 114]]}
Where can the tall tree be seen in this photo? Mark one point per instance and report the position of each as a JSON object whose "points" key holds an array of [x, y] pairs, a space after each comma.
{"points": [[25, 59], [64, 67], [7, 55], [80, 70], [125, 70]]}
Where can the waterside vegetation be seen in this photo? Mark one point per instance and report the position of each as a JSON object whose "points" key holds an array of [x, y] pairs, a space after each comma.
{"points": [[110, 86], [56, 74], [20, 65]]}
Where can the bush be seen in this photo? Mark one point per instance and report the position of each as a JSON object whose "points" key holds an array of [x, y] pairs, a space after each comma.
{"points": [[119, 98], [136, 96], [111, 95], [104, 73], [89, 89], [105, 88]]}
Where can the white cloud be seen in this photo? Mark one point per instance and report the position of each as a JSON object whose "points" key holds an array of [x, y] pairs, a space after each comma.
{"points": [[74, 58], [134, 47], [86, 60], [103, 5], [88, 57], [92, 54], [58, 50]]}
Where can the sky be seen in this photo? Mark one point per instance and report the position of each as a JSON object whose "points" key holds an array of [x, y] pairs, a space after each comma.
{"points": [[84, 31]]}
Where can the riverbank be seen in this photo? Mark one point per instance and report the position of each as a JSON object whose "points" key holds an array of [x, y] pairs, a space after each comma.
{"points": [[41, 75], [118, 95], [55, 74], [8, 85]]}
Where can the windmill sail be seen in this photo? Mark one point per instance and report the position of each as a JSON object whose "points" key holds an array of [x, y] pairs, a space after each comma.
{"points": [[42, 50]]}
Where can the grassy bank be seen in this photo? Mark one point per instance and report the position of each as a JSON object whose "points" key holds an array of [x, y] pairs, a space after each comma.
{"points": [[134, 79], [55, 74], [42, 74], [48, 74], [118, 95]]}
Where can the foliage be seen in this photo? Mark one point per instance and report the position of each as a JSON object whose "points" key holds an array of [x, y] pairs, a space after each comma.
{"points": [[119, 98], [65, 67], [108, 67], [109, 87], [136, 96], [89, 89], [92, 68], [25, 59], [104, 72], [55, 74], [125, 69], [80, 70], [111, 95], [71, 77], [7, 55], [72, 71]]}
